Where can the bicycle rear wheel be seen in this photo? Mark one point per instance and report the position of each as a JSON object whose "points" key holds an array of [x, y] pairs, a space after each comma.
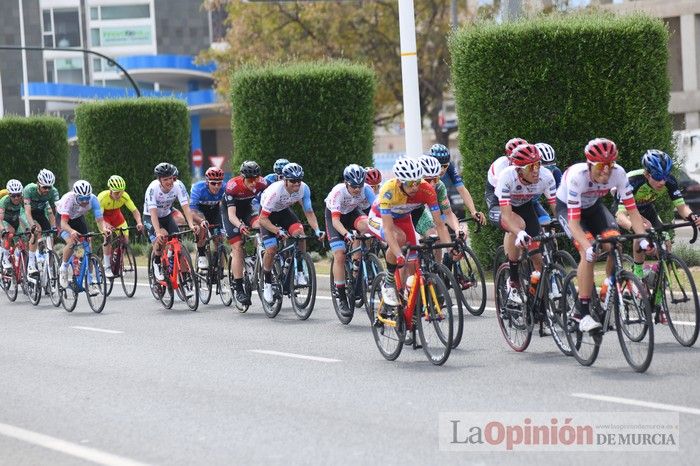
{"points": [[499, 258], [304, 296], [271, 309], [156, 289], [95, 285], [435, 321], [565, 260], [187, 282], [470, 277], [680, 301], [513, 319], [584, 346], [388, 336], [554, 298], [52, 279], [33, 287], [69, 296], [205, 277], [128, 273], [349, 285], [372, 266], [223, 279], [455, 292], [633, 322]]}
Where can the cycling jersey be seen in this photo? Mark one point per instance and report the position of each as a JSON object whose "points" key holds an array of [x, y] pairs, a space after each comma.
{"points": [[69, 208], [271, 178], [238, 194], [578, 190], [203, 200], [555, 171], [3, 193], [12, 213], [107, 203], [392, 200], [276, 198], [645, 195], [452, 175], [511, 190], [39, 201], [162, 201], [340, 202], [495, 170]]}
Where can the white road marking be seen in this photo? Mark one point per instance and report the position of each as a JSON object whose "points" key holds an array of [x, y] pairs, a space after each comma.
{"points": [[68, 448], [93, 329], [646, 404], [294, 355]]}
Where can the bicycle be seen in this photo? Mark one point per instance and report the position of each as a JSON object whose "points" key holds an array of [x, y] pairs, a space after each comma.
{"points": [[673, 287], [46, 279], [87, 274], [626, 300], [123, 264], [216, 278], [426, 309], [541, 305], [284, 280], [252, 258], [14, 277], [178, 271], [357, 281], [469, 275]]}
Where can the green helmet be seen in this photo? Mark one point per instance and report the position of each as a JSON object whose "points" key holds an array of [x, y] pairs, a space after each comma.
{"points": [[116, 183]]}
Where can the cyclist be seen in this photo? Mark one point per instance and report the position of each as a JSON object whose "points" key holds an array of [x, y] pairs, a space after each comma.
{"points": [[278, 221], [10, 219], [158, 210], [277, 168], [343, 213], [422, 218], [648, 183], [549, 162], [517, 187], [502, 162], [111, 201], [72, 209], [583, 216], [373, 178], [441, 153], [239, 217], [205, 199], [40, 200], [390, 217]]}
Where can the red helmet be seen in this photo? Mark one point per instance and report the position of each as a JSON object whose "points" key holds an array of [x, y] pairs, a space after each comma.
{"points": [[214, 174], [513, 143], [525, 154], [601, 150], [373, 176]]}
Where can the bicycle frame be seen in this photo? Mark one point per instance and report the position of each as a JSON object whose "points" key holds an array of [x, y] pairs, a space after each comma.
{"points": [[14, 246], [173, 270], [84, 264]]}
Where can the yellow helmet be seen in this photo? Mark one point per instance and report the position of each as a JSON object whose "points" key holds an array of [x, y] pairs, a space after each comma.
{"points": [[116, 183]]}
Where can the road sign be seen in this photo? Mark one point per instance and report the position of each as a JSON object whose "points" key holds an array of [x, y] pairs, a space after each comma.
{"points": [[217, 160], [197, 157]]}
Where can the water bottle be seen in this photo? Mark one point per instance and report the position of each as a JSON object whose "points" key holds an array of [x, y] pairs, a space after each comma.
{"points": [[604, 295], [534, 280], [554, 292], [171, 261], [650, 273], [76, 264]]}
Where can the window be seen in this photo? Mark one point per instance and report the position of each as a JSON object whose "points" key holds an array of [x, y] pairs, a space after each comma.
{"points": [[95, 37], [48, 24], [94, 13], [50, 77], [65, 71], [61, 27], [117, 36], [125, 12], [97, 64]]}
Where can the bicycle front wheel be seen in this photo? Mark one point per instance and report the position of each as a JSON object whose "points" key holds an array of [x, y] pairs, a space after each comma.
{"points": [[271, 309], [390, 332], [95, 285], [583, 345], [206, 277], [128, 273], [554, 295], [33, 287], [304, 295], [223, 279], [453, 288], [512, 317], [52, 279], [187, 281], [435, 321], [349, 291], [470, 277], [633, 321], [498, 259], [680, 301]]}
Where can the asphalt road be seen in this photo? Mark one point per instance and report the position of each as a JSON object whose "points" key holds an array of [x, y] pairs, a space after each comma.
{"points": [[138, 384]]}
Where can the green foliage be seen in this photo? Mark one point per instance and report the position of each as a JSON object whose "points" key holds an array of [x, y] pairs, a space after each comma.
{"points": [[29, 144], [690, 254], [129, 138], [560, 80], [316, 114]]}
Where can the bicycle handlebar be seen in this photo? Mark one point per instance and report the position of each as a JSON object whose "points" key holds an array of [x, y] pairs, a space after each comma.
{"points": [[471, 219], [618, 238], [549, 237], [673, 226]]}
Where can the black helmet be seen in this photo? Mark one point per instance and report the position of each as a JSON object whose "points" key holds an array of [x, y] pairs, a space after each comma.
{"points": [[250, 169], [165, 169]]}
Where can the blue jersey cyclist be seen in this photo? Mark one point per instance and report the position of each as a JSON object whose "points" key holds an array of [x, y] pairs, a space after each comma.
{"points": [[277, 168], [205, 198], [449, 172]]}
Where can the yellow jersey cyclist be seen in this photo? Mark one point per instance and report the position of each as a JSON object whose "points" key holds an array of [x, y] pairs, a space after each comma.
{"points": [[40, 200], [11, 219], [111, 201]]}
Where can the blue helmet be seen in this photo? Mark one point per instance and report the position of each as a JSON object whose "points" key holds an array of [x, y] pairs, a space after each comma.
{"points": [[354, 174], [279, 165], [657, 163], [293, 172], [441, 153]]}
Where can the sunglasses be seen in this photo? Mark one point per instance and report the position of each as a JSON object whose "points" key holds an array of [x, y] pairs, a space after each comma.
{"points": [[432, 180], [15, 195], [445, 165], [294, 181], [355, 186], [602, 165], [657, 177], [215, 183], [412, 184], [251, 178], [83, 199], [44, 188], [532, 167]]}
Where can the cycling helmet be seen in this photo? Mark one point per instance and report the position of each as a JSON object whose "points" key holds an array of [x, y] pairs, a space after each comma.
{"points": [[214, 174], [373, 177], [441, 153], [601, 150], [525, 154], [431, 166], [279, 165], [657, 163], [250, 169], [46, 177], [408, 169], [513, 143], [293, 172], [116, 183], [354, 175], [14, 187], [165, 169], [176, 173], [82, 188], [547, 152]]}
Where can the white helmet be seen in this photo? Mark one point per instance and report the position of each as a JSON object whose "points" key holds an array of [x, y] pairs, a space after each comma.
{"points": [[46, 177], [546, 151], [82, 188], [408, 169], [431, 166], [14, 187]]}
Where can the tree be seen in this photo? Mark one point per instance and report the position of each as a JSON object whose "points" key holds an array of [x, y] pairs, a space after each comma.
{"points": [[361, 31]]}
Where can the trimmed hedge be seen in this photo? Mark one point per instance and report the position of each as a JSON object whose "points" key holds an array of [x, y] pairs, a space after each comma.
{"points": [[562, 80], [129, 138], [319, 115], [29, 144]]}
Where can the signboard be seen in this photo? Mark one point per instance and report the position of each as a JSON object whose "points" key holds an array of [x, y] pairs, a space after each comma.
{"points": [[197, 158], [134, 35]]}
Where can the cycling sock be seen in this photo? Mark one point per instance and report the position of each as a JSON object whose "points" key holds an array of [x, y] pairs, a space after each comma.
{"points": [[201, 251], [513, 271], [585, 306], [339, 284], [638, 269], [32, 257], [300, 266], [390, 269], [238, 283], [268, 276]]}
